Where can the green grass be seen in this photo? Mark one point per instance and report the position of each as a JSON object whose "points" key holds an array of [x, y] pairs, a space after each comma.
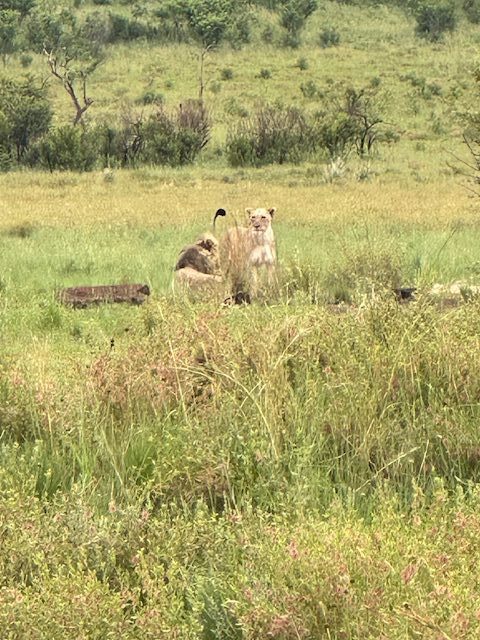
{"points": [[269, 471], [291, 469]]}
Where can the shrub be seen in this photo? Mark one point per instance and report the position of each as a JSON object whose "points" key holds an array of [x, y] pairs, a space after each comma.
{"points": [[272, 135], [126, 29], [6, 162], [354, 120], [309, 90], [165, 139], [329, 37], [97, 28], [215, 87], [265, 74], [268, 34], [26, 60], [66, 148], [293, 15], [434, 19], [302, 64], [226, 74], [335, 131], [47, 29], [233, 108], [152, 97], [291, 40], [25, 115], [472, 10]]}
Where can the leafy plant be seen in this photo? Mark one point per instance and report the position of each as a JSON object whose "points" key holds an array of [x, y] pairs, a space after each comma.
{"points": [[329, 37], [273, 134], [434, 19], [66, 148], [472, 10], [293, 16], [25, 114]]}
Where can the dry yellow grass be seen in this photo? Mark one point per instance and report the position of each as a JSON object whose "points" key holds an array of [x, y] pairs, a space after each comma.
{"points": [[151, 198]]}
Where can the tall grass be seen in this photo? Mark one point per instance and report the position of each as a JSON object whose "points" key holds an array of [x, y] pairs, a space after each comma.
{"points": [[304, 467]]}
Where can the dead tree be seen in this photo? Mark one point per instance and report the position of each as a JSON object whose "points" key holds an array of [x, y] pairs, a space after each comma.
{"points": [[61, 68]]}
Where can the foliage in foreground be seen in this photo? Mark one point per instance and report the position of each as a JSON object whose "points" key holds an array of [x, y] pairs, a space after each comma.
{"points": [[285, 470], [146, 571]]}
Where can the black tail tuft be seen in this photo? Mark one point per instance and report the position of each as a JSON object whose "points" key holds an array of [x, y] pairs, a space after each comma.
{"points": [[219, 213]]}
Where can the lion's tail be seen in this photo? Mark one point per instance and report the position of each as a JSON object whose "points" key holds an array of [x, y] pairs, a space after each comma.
{"points": [[219, 213]]}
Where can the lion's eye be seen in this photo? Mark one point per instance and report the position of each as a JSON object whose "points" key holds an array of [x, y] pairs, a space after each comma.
{"points": [[264, 217]]}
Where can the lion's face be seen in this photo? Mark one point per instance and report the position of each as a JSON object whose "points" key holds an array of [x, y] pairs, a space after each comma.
{"points": [[260, 220]]}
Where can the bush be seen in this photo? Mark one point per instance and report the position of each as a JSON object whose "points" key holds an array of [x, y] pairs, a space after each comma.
{"points": [[309, 90], [335, 132], [226, 74], [268, 34], [472, 10], [97, 28], [329, 37], [25, 115], [293, 15], [124, 29], [163, 139], [46, 29], [152, 97], [434, 19], [26, 60], [302, 64], [67, 148], [273, 135], [264, 74]]}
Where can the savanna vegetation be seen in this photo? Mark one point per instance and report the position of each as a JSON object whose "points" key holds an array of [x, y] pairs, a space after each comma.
{"points": [[303, 467]]}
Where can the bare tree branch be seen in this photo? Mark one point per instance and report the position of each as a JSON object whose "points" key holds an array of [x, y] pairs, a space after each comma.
{"points": [[63, 72]]}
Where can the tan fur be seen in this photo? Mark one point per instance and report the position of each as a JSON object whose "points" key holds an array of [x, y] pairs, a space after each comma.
{"points": [[202, 256], [198, 265], [195, 279], [244, 250]]}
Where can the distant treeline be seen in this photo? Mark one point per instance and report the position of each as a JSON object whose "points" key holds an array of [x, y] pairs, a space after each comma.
{"points": [[32, 25]]}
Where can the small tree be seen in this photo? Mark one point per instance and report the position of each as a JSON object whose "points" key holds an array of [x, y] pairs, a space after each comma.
{"points": [[434, 19], [25, 114], [472, 10], [206, 22], [470, 119], [72, 57], [293, 17], [73, 78], [23, 7], [362, 106], [351, 119], [8, 33]]}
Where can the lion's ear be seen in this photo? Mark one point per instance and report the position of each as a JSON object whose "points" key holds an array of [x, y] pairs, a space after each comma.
{"points": [[249, 210], [272, 211]]}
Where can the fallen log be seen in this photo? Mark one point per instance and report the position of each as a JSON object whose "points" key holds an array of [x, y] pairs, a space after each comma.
{"points": [[81, 297]]}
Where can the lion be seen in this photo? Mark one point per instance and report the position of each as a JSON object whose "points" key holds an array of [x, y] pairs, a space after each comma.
{"points": [[244, 250], [198, 264]]}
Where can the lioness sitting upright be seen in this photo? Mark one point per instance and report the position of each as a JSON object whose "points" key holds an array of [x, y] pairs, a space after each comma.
{"points": [[244, 250]]}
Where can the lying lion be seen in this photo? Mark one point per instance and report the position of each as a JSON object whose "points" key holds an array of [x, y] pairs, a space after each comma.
{"points": [[198, 265]]}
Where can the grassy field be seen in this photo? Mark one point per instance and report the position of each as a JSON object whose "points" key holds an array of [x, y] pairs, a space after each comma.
{"points": [[303, 467]]}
